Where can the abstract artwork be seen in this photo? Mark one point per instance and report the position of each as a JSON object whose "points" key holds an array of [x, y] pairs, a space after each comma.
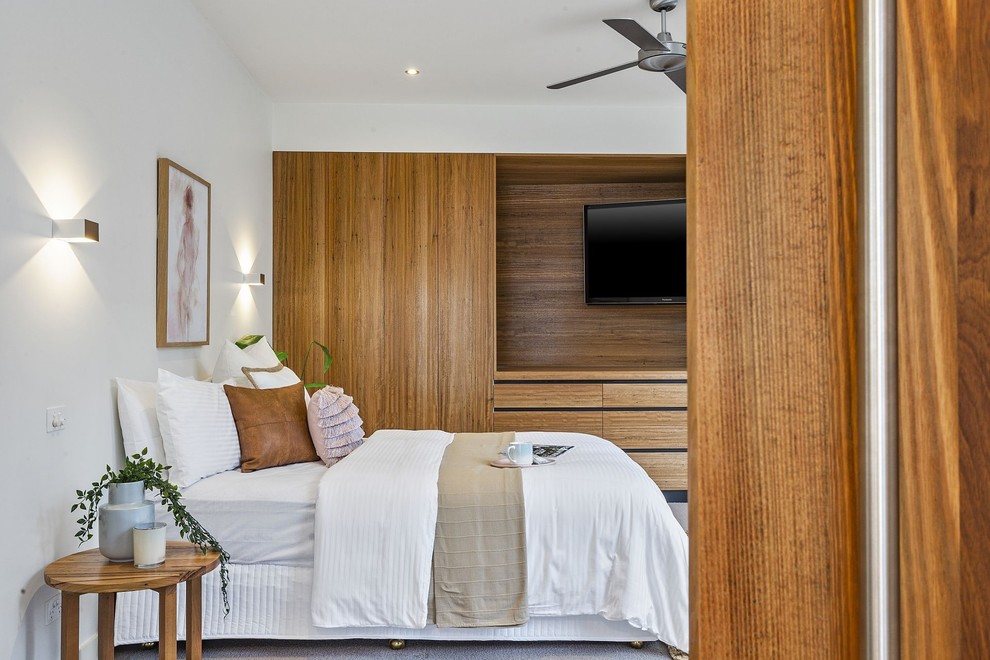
{"points": [[183, 257]]}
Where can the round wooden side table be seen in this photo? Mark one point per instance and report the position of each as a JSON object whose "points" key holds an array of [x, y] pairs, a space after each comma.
{"points": [[89, 572]]}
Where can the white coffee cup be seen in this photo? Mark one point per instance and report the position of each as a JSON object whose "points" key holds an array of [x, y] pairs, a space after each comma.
{"points": [[520, 453]]}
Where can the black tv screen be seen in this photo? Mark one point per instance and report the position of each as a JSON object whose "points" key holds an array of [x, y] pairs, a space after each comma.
{"points": [[635, 253]]}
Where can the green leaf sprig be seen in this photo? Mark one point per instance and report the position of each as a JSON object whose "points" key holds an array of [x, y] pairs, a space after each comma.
{"points": [[140, 467]]}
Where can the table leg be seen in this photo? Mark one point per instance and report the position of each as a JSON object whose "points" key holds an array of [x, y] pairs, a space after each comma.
{"points": [[166, 623], [70, 626], [105, 614], [194, 619]]}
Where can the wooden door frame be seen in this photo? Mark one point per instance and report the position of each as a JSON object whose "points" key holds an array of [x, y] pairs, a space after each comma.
{"points": [[771, 133]]}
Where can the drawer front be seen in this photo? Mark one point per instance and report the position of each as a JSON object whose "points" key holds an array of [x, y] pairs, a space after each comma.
{"points": [[645, 395], [645, 429], [548, 395], [668, 469], [576, 422]]}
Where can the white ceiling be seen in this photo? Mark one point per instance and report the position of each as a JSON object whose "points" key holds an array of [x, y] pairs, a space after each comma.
{"points": [[503, 52]]}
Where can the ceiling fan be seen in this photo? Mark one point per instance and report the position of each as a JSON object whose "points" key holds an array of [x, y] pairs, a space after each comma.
{"points": [[659, 53]]}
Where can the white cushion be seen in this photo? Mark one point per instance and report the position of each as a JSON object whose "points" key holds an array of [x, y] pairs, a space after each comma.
{"points": [[198, 430], [262, 351], [272, 377], [267, 378], [232, 359], [138, 419]]}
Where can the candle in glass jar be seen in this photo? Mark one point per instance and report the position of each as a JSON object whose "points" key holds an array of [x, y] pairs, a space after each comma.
{"points": [[149, 544]]}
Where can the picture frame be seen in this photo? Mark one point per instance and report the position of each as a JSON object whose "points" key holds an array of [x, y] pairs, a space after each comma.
{"points": [[183, 283]]}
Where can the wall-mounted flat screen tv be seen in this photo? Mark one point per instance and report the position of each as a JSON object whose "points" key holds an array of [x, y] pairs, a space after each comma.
{"points": [[635, 253]]}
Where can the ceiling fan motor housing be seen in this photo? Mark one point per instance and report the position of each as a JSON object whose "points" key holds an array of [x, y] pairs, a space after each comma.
{"points": [[664, 60], [662, 5]]}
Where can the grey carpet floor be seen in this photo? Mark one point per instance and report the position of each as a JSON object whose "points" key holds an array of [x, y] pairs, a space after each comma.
{"points": [[415, 650]]}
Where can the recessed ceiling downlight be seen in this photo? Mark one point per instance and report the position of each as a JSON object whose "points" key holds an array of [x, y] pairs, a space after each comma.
{"points": [[412, 72]]}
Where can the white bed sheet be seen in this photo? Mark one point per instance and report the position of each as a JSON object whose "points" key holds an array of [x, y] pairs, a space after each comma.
{"points": [[601, 539], [273, 602], [261, 517]]}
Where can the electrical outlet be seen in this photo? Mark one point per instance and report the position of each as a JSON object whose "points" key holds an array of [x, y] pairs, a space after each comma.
{"points": [[54, 609]]}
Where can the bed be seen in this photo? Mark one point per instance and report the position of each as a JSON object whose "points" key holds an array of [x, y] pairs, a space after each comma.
{"points": [[605, 558]]}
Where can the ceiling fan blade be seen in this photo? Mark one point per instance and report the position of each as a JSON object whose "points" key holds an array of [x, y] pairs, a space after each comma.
{"points": [[590, 76], [635, 33], [679, 77]]}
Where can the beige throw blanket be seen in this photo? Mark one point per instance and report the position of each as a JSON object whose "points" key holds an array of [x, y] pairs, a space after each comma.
{"points": [[479, 557]]}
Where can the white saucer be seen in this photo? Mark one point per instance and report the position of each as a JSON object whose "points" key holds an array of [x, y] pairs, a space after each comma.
{"points": [[506, 463]]}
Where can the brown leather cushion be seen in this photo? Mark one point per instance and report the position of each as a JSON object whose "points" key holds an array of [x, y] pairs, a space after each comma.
{"points": [[271, 426]]}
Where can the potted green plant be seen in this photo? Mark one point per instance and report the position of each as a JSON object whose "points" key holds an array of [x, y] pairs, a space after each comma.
{"points": [[140, 468], [248, 340]]}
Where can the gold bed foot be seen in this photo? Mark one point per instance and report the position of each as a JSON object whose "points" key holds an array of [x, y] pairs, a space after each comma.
{"points": [[149, 645], [636, 645], [397, 644]]}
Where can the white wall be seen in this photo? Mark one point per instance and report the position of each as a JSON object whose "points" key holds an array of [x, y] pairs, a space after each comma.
{"points": [[479, 129], [91, 94]]}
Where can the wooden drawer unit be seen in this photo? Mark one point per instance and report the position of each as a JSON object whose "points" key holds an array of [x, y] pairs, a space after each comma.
{"points": [[548, 395], [549, 420], [668, 468], [644, 413], [644, 395], [646, 429]]}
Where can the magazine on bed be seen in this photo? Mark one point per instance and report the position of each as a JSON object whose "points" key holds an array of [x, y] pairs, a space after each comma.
{"points": [[550, 451]]}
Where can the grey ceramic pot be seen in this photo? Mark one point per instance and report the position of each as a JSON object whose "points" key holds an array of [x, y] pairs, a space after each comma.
{"points": [[126, 508]]}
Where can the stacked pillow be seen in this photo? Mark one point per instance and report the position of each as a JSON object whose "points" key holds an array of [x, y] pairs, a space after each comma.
{"points": [[250, 416], [233, 360], [334, 424], [197, 428], [271, 426]]}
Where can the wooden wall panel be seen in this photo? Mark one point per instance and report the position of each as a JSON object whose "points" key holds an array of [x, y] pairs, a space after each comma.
{"points": [[300, 254], [543, 321], [411, 307], [466, 276], [771, 331], [328, 275], [550, 169], [928, 364], [389, 259], [355, 279], [973, 200]]}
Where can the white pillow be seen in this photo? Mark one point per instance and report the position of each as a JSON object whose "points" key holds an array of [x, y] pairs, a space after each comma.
{"points": [[198, 430], [262, 351], [232, 360], [271, 377], [267, 378], [138, 419]]}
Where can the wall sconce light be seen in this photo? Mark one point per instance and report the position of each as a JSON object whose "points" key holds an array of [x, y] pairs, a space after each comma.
{"points": [[76, 230], [254, 279]]}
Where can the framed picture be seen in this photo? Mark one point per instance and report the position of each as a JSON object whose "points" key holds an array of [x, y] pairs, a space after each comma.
{"points": [[183, 257]]}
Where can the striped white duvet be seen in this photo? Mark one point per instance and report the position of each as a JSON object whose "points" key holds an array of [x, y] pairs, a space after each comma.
{"points": [[601, 539]]}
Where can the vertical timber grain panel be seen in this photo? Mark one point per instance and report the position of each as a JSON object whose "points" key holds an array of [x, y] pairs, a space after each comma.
{"points": [[411, 349], [771, 331], [928, 364], [543, 320], [300, 250], [466, 287], [328, 250], [973, 203], [355, 279]]}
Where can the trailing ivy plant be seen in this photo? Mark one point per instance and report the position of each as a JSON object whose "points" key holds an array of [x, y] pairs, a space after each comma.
{"points": [[140, 467], [283, 357]]}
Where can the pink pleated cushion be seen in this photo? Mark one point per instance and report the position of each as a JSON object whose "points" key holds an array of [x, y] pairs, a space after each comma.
{"points": [[334, 424]]}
